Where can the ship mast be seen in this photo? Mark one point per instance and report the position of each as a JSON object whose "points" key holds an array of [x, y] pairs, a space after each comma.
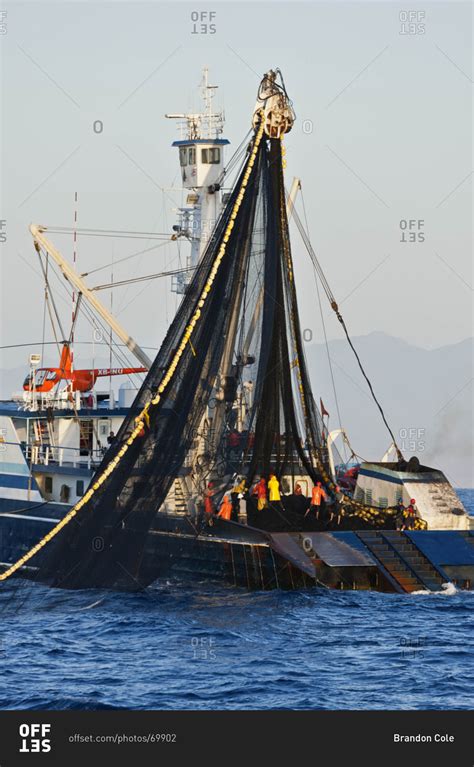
{"points": [[201, 158]]}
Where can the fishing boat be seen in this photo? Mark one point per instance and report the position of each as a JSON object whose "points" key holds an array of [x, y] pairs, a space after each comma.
{"points": [[219, 465]]}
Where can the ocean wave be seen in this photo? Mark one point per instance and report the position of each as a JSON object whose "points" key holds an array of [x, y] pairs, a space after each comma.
{"points": [[200, 646]]}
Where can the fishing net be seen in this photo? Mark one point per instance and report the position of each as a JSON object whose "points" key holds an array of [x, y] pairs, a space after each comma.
{"points": [[241, 372], [227, 394]]}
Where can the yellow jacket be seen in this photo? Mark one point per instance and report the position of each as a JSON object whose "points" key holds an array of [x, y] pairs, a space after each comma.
{"points": [[274, 489]]}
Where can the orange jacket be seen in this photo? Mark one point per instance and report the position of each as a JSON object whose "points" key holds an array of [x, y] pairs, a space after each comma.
{"points": [[226, 508], [260, 489], [317, 495]]}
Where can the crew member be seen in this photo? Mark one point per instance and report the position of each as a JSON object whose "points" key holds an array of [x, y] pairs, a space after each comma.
{"points": [[274, 492], [318, 495], [274, 489], [299, 501], [260, 490], [237, 491], [400, 517], [111, 438], [410, 514], [233, 439], [225, 511], [208, 500], [339, 498]]}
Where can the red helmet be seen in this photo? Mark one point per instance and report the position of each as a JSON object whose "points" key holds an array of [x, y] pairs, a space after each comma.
{"points": [[412, 501]]}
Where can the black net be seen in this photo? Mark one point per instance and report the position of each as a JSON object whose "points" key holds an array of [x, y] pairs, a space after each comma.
{"points": [[229, 389]]}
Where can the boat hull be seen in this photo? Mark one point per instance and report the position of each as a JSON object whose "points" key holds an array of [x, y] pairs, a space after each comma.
{"points": [[232, 553]]}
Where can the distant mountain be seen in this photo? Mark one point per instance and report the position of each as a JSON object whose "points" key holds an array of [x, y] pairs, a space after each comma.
{"points": [[427, 397]]}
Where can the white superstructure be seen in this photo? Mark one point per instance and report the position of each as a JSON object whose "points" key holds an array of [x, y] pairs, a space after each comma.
{"points": [[201, 159]]}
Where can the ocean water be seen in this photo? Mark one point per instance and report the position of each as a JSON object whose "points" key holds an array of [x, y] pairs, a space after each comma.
{"points": [[206, 647]]}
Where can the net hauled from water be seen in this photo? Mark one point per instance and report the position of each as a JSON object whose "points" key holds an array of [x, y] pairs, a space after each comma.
{"points": [[235, 347]]}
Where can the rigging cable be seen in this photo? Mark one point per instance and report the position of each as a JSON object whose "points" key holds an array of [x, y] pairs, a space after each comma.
{"points": [[51, 299], [93, 321], [235, 157], [82, 343], [125, 258], [143, 278], [43, 333], [123, 298], [331, 371], [91, 232], [335, 308]]}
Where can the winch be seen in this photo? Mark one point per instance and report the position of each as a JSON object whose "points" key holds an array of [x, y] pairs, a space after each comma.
{"points": [[273, 101]]}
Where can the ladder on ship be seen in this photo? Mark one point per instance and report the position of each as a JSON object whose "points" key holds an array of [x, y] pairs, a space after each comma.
{"points": [[402, 563], [180, 499], [43, 448]]}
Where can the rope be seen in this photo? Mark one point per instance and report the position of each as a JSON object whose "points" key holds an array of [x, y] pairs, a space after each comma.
{"points": [[350, 507], [335, 308], [43, 334], [144, 415], [49, 299], [108, 233], [126, 258], [341, 320], [331, 371], [143, 278]]}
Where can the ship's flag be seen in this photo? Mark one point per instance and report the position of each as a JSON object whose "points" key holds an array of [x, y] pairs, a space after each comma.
{"points": [[323, 409]]}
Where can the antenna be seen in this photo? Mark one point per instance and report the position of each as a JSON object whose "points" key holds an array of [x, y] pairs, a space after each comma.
{"points": [[74, 303], [208, 94], [202, 125]]}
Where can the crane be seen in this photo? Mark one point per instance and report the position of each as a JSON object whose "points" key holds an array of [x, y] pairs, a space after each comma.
{"points": [[40, 241]]}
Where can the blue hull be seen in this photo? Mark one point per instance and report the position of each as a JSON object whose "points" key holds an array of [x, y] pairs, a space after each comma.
{"points": [[243, 556]]}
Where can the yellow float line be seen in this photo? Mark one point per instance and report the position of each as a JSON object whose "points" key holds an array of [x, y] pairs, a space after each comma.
{"points": [[140, 421]]}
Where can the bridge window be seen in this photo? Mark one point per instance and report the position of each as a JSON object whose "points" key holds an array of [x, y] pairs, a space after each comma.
{"points": [[187, 155], [79, 487], [211, 156]]}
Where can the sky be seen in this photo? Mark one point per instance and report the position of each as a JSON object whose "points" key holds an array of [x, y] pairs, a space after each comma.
{"points": [[383, 136]]}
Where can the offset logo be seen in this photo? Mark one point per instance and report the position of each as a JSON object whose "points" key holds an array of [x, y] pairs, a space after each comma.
{"points": [[35, 738]]}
